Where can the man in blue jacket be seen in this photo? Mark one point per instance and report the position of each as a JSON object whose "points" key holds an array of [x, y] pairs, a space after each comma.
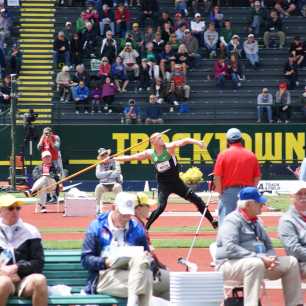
{"points": [[81, 94], [109, 231]]}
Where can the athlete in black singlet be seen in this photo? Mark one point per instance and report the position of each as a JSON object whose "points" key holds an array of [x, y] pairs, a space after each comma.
{"points": [[167, 175]]}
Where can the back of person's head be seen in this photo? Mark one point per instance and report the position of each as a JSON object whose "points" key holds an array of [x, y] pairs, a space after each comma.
{"points": [[233, 135]]}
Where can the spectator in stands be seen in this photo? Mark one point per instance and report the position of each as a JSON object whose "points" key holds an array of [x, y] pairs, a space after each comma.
{"points": [[250, 47], [145, 79], [109, 47], [22, 257], [128, 38], [107, 20], [161, 283], [303, 102], [96, 98], [158, 43], [298, 50], [148, 34], [68, 31], [182, 89], [234, 46], [64, 83], [81, 98], [180, 32], [302, 7], [274, 29], [61, 49], [149, 11], [44, 175], [109, 91], [182, 57], [152, 59], [132, 113], [81, 74], [197, 27], [291, 227], [283, 103], [153, 113], [226, 35], [195, 4], [109, 175], [211, 38], [192, 46], [173, 42], [129, 57], [122, 19], [291, 73], [245, 253], [258, 18], [15, 59], [76, 49], [285, 7], [80, 26], [5, 94], [138, 37], [178, 20], [216, 17], [5, 24], [220, 72], [118, 73], [89, 38], [165, 17], [134, 280], [162, 91], [235, 71], [104, 69], [264, 103], [166, 32], [181, 7], [167, 60]]}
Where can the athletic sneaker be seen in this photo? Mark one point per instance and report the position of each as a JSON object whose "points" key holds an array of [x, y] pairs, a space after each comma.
{"points": [[28, 193], [214, 224], [43, 209]]}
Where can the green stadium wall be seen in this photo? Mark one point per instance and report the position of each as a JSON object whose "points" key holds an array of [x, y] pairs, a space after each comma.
{"points": [[276, 146]]}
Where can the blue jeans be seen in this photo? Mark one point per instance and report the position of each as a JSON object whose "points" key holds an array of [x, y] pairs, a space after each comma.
{"points": [[260, 109], [220, 81], [253, 58], [227, 202], [61, 56]]}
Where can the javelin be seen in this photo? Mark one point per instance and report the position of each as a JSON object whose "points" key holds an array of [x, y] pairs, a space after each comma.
{"points": [[95, 164]]}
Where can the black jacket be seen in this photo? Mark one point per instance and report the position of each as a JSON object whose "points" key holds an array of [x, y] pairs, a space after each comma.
{"points": [[28, 249]]}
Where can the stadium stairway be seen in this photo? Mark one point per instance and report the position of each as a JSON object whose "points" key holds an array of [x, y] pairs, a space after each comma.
{"points": [[35, 86], [207, 104]]}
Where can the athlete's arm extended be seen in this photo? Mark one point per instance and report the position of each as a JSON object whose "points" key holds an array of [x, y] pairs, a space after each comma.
{"points": [[138, 156], [184, 142]]}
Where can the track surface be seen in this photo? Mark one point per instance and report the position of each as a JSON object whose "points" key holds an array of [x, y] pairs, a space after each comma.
{"points": [[201, 256]]}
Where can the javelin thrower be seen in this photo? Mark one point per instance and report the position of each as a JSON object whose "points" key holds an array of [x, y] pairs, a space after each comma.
{"points": [[167, 174]]}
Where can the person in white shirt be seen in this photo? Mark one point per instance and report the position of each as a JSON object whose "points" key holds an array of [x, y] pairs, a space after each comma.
{"points": [[197, 27], [250, 47]]}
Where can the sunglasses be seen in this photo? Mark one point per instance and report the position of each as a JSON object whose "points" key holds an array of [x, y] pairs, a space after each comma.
{"points": [[13, 208]]}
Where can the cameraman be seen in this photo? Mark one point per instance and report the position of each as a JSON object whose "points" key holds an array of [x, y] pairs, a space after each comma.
{"points": [[51, 142], [132, 113]]}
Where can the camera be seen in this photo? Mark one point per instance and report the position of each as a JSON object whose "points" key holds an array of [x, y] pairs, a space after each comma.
{"points": [[131, 102], [30, 117]]}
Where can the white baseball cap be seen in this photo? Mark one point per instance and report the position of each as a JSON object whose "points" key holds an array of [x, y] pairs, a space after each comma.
{"points": [[45, 153], [233, 134], [125, 202]]}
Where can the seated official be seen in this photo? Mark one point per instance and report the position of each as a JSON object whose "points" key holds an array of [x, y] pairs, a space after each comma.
{"points": [[21, 256], [45, 176], [109, 174], [244, 252], [111, 230], [292, 227], [161, 280]]}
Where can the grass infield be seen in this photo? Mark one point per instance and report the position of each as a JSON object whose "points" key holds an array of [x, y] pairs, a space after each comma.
{"points": [[157, 243]]}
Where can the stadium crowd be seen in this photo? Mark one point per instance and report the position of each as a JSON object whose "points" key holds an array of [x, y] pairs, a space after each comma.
{"points": [[157, 51]]}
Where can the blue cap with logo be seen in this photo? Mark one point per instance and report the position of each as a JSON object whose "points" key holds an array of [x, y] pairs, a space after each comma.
{"points": [[252, 193]]}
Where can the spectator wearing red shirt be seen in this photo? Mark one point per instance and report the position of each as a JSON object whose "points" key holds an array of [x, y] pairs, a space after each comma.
{"points": [[235, 168], [104, 68], [122, 19]]}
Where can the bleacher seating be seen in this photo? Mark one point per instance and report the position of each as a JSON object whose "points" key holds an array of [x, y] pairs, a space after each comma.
{"points": [[207, 103]]}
